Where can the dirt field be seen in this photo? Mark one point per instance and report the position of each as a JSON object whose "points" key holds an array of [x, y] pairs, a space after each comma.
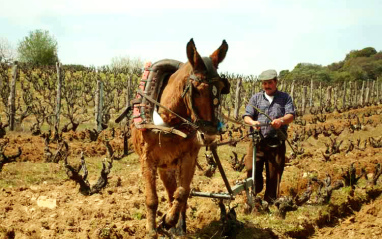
{"points": [[37, 200]]}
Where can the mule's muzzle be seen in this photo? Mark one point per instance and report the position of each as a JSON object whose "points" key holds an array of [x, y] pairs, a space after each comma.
{"points": [[207, 127]]}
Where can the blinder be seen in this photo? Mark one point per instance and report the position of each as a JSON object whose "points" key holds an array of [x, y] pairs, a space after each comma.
{"points": [[226, 87], [213, 80]]}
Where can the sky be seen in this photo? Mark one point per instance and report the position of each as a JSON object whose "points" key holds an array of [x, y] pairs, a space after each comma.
{"points": [[261, 34]]}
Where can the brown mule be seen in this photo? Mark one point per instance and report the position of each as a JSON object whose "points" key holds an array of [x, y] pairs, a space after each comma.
{"points": [[192, 92]]}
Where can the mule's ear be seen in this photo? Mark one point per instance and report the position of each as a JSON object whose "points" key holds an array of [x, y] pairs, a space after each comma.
{"points": [[219, 55], [194, 58]]}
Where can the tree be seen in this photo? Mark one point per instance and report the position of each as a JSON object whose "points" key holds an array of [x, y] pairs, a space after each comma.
{"points": [[126, 64], [365, 52], [38, 48], [304, 72], [7, 52], [336, 66], [283, 74]]}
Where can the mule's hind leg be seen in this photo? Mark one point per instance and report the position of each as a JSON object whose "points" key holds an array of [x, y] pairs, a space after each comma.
{"points": [[149, 177], [168, 177]]}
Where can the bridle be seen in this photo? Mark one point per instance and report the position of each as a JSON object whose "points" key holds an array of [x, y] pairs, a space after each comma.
{"points": [[212, 80]]}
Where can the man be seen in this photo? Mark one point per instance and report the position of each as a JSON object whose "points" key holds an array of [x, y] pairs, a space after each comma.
{"points": [[270, 151]]}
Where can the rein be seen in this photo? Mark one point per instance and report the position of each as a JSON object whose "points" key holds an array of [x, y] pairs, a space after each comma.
{"points": [[164, 107]]}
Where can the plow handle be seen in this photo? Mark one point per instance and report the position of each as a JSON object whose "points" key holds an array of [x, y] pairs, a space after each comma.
{"points": [[255, 140]]}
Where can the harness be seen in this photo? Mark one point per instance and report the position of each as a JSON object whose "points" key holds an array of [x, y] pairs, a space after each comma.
{"points": [[155, 78], [212, 79]]}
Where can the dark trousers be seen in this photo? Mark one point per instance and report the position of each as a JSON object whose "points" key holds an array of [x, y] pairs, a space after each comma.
{"points": [[273, 157]]}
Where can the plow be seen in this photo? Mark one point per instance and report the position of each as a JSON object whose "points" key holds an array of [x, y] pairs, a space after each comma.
{"points": [[246, 185]]}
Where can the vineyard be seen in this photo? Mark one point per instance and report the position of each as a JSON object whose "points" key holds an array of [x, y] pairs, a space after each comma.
{"points": [[67, 170]]}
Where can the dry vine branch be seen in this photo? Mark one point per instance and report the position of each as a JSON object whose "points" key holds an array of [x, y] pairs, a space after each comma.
{"points": [[293, 201], [350, 176], [326, 188], [2, 129], [231, 225], [102, 180], [85, 188], [236, 164], [111, 152], [93, 134], [350, 147], [73, 174], [377, 174], [375, 143], [7, 159]]}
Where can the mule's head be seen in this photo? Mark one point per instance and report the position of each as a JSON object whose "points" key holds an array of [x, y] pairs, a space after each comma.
{"points": [[204, 88]]}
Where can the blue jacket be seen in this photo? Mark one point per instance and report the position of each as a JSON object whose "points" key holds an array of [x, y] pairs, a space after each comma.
{"points": [[281, 105]]}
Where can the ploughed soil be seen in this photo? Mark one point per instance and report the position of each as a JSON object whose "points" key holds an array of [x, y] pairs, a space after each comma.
{"points": [[38, 200]]}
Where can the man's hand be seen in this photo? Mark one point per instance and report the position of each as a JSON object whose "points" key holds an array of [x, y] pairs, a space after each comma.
{"points": [[255, 123], [250, 121], [276, 123]]}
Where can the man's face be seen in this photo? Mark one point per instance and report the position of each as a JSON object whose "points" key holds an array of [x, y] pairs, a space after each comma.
{"points": [[269, 86]]}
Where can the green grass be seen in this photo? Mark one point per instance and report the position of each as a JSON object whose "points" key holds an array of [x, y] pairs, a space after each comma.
{"points": [[23, 174]]}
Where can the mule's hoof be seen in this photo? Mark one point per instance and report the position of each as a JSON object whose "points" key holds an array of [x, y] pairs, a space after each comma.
{"points": [[177, 231], [152, 235], [163, 229], [163, 225]]}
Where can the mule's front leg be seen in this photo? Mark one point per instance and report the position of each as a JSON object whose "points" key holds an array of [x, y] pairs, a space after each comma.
{"points": [[149, 175], [179, 207], [172, 216]]}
